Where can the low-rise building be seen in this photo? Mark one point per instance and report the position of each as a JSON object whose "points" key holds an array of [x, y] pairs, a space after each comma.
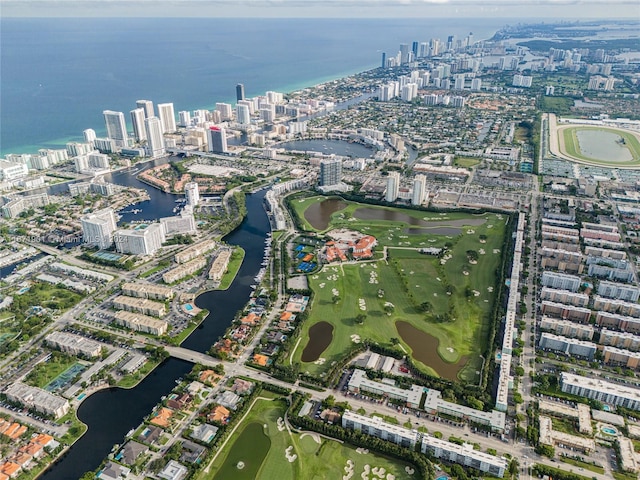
{"points": [[624, 340], [37, 399], [564, 296], [601, 390], [464, 454], [140, 305], [147, 290], [74, 344], [219, 265], [549, 436], [567, 346], [194, 251], [619, 291], [141, 323], [561, 281], [377, 427], [620, 322], [184, 270], [566, 312], [613, 305], [567, 328], [619, 357]]}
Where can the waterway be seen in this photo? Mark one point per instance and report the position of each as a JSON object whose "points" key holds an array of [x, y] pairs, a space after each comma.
{"points": [[111, 413], [337, 147]]}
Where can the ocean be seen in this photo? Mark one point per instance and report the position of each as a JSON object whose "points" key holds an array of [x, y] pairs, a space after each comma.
{"points": [[58, 75]]}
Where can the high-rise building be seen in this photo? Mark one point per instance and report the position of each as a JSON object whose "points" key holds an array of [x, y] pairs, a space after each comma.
{"points": [[459, 82], [137, 118], [243, 115], [393, 186], [476, 84], [414, 49], [155, 140], [249, 104], [98, 228], [419, 190], [147, 106], [225, 111], [239, 92], [185, 118], [140, 241], [191, 193], [384, 60], [217, 137], [167, 117], [330, 172], [116, 127], [404, 53], [89, 135]]}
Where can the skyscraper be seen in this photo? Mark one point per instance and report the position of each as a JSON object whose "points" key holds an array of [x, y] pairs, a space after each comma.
{"points": [[384, 60], [404, 52], [137, 118], [239, 92], [393, 186], [419, 190], [89, 135], [217, 137], [167, 117], [330, 172], [185, 118], [191, 193], [155, 140], [147, 106], [242, 114], [98, 228], [414, 49], [116, 127], [225, 111]]}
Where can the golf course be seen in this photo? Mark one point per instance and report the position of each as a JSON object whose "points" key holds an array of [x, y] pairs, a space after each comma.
{"points": [[265, 448], [436, 306]]}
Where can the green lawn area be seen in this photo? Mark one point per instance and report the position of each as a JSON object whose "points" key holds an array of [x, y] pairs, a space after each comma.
{"points": [[459, 320], [572, 147], [45, 372], [466, 162], [131, 380], [585, 465], [232, 270], [261, 446]]}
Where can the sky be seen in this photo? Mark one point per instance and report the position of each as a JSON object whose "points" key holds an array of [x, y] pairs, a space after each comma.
{"points": [[538, 9]]}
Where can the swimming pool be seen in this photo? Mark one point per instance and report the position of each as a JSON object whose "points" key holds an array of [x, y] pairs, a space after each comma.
{"points": [[609, 430], [188, 307]]}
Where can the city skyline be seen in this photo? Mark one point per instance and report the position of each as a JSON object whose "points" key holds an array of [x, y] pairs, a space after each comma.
{"points": [[531, 9]]}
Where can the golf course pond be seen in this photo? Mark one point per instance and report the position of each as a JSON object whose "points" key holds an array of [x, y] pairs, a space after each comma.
{"points": [[320, 337], [319, 214], [425, 350], [369, 213]]}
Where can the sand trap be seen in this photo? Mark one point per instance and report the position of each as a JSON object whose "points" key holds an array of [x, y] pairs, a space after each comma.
{"points": [[314, 436], [320, 361], [355, 338], [287, 453], [280, 423], [240, 465], [450, 350], [465, 273]]}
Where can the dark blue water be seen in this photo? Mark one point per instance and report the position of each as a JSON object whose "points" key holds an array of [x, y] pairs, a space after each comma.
{"points": [[58, 75], [338, 147]]}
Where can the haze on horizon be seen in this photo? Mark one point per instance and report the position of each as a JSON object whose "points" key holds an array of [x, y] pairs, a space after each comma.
{"points": [[520, 9]]}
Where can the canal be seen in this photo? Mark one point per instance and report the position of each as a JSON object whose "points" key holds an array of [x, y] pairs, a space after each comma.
{"points": [[111, 413]]}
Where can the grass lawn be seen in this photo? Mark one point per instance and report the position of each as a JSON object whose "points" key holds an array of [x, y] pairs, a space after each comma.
{"points": [[466, 162], [585, 465], [43, 373], [232, 270], [460, 293], [261, 446], [134, 378]]}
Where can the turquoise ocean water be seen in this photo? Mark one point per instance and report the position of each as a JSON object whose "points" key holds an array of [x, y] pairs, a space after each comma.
{"points": [[58, 75]]}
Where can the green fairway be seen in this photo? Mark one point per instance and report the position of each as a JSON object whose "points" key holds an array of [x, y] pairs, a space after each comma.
{"points": [[248, 453], [313, 457], [572, 146], [449, 300]]}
